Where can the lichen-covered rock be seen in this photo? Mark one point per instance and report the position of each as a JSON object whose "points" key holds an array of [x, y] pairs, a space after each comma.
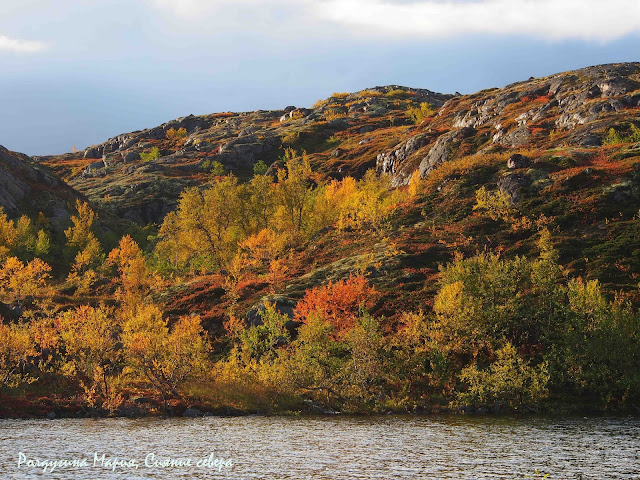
{"points": [[21, 189], [389, 162], [513, 185], [247, 150], [93, 152], [515, 138], [131, 157], [283, 305], [441, 150], [518, 161]]}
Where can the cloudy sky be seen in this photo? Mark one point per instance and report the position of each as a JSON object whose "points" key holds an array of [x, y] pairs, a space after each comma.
{"points": [[75, 72]]}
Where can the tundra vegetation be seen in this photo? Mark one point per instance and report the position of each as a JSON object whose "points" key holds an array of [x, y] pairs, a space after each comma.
{"points": [[490, 261], [501, 332]]}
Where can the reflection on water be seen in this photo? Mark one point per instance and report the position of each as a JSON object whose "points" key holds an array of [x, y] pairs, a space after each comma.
{"points": [[389, 447]]}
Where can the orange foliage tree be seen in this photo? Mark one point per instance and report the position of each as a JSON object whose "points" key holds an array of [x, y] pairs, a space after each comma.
{"points": [[16, 345], [164, 358], [19, 280], [339, 303], [177, 136]]}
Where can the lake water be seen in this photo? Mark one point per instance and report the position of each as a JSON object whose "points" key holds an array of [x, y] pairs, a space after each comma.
{"points": [[385, 447]]}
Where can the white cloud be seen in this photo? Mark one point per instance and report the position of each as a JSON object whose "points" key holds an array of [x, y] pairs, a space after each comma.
{"points": [[548, 19], [201, 9], [554, 19], [14, 45]]}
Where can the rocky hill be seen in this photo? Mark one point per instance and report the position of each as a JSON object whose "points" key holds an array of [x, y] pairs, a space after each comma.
{"points": [[525, 199], [562, 148], [573, 109], [344, 134], [26, 187], [348, 133]]}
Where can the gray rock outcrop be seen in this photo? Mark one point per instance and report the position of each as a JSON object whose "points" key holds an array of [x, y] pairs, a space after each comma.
{"points": [[513, 185], [283, 305], [517, 161]]}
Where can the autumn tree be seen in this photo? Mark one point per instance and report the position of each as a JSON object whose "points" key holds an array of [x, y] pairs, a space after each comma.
{"points": [[338, 303], [598, 349], [262, 201], [16, 346], [164, 358], [416, 184], [91, 349], [206, 228], [8, 235], [19, 280], [171, 249], [362, 204], [419, 114], [151, 155], [134, 278], [317, 359], [418, 367], [497, 205], [365, 371], [82, 241], [295, 192], [21, 238], [377, 199], [177, 136], [481, 302], [263, 247], [260, 342], [510, 380], [277, 273]]}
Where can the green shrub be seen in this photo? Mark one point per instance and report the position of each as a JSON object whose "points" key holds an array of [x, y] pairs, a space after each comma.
{"points": [[510, 379], [260, 168], [614, 138], [419, 114], [496, 204], [153, 154], [214, 167]]}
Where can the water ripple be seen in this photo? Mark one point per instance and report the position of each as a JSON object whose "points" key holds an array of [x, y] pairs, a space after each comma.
{"points": [[336, 448]]}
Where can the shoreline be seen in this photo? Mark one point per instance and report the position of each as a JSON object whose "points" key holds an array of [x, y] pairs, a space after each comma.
{"points": [[201, 411]]}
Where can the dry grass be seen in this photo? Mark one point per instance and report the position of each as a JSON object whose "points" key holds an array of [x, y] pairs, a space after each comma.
{"points": [[462, 166]]}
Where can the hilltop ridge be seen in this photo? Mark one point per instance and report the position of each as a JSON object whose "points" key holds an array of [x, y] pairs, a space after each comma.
{"points": [[349, 133]]}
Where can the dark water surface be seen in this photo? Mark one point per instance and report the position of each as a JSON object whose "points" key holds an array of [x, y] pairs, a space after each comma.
{"points": [[386, 447]]}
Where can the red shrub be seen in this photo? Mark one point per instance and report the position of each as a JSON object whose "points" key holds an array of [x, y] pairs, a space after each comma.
{"points": [[339, 302]]}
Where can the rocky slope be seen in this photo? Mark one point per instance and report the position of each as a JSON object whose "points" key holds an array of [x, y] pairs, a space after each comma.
{"points": [[545, 143], [344, 134], [567, 109], [349, 133], [498, 170], [29, 188]]}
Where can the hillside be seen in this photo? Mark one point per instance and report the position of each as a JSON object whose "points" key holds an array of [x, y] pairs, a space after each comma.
{"points": [[584, 190], [344, 134], [28, 188], [516, 208]]}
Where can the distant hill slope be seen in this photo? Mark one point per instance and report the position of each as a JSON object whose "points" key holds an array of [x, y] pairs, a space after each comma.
{"points": [[29, 188], [536, 184], [564, 150], [349, 133], [344, 134]]}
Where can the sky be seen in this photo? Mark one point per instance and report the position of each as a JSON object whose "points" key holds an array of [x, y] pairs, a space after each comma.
{"points": [[77, 72]]}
